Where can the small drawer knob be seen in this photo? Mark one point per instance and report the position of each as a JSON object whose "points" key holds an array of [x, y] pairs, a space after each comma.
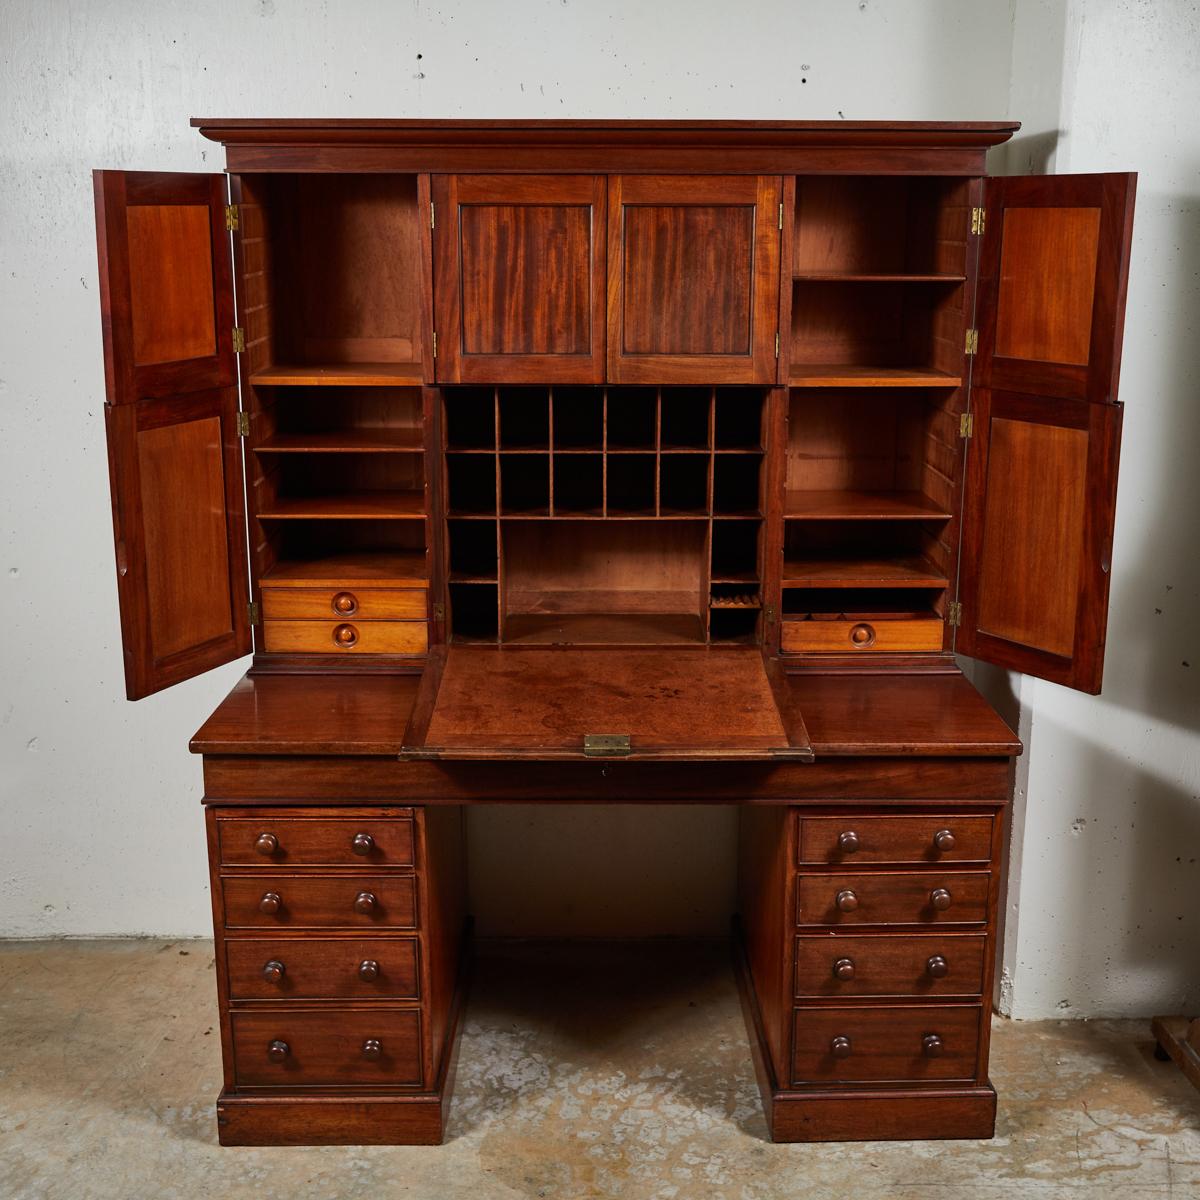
{"points": [[848, 841], [270, 903], [937, 967], [345, 604], [840, 1047], [365, 903], [847, 901], [943, 840], [843, 968], [862, 636], [932, 1046], [941, 899], [345, 636], [362, 844], [372, 1049], [266, 844], [368, 970], [274, 971], [278, 1051]]}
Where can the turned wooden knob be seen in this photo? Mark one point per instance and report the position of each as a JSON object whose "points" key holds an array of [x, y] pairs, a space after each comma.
{"points": [[943, 840], [345, 636], [274, 971], [266, 844], [840, 1047], [843, 968], [345, 604], [932, 1046], [278, 1051], [365, 903], [862, 636], [847, 901], [940, 898], [368, 970], [937, 967], [372, 1049], [848, 841], [362, 844], [270, 903]]}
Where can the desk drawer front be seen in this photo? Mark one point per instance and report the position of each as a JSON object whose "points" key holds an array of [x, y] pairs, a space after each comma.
{"points": [[912, 635], [316, 842], [893, 898], [323, 901], [344, 604], [893, 1044], [884, 965], [323, 968], [288, 1049], [345, 637], [849, 840]]}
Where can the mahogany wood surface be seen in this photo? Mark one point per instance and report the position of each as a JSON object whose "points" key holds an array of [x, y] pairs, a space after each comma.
{"points": [[320, 901], [288, 841], [931, 837], [889, 965], [323, 968], [892, 898]]}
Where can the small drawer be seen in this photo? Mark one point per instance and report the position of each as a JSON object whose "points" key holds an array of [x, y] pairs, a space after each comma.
{"points": [[345, 637], [320, 901], [304, 1048], [316, 842], [342, 604], [881, 965], [885, 1045], [323, 968], [849, 840], [893, 898], [909, 634]]}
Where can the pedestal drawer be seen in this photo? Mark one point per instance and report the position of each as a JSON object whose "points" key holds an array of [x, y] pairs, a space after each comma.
{"points": [[345, 637], [316, 842], [323, 968], [289, 1049], [860, 1045], [893, 898], [341, 901], [849, 840], [363, 604], [829, 965]]}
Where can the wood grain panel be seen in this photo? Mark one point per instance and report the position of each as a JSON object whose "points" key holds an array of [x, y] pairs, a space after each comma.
{"points": [[323, 968], [877, 635], [893, 898], [319, 841], [362, 604], [320, 901], [331, 637], [884, 965], [894, 839]]}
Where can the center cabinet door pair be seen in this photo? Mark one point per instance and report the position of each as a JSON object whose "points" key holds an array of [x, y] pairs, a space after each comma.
{"points": [[595, 278]]}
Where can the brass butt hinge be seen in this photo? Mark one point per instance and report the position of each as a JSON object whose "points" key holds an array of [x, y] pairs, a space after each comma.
{"points": [[243, 424], [606, 745], [781, 214], [239, 340], [777, 343], [435, 343], [252, 613], [231, 217], [432, 218], [978, 221], [972, 345], [769, 613], [954, 613], [439, 612], [966, 425]]}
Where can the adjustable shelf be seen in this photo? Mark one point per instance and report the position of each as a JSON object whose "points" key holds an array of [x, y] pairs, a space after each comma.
{"points": [[351, 441], [883, 277], [352, 568], [375, 506], [357, 374], [862, 506], [825, 375], [853, 572]]}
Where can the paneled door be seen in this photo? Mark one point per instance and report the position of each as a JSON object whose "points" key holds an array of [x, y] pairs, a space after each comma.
{"points": [[518, 278], [693, 278]]}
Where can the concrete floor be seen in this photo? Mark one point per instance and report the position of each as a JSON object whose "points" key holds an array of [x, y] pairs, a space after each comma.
{"points": [[588, 1070]]}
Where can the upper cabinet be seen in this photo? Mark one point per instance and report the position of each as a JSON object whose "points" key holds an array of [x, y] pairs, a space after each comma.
{"points": [[519, 278], [1042, 470], [693, 278]]}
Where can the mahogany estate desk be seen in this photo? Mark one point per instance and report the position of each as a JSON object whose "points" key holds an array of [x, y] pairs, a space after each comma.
{"points": [[574, 462]]}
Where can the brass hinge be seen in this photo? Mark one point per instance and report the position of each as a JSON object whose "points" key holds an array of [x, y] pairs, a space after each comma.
{"points": [[972, 341], [606, 745], [243, 424], [781, 214], [777, 343], [978, 221], [432, 219], [769, 613], [239, 340], [231, 217], [954, 613], [435, 343], [966, 425], [439, 612], [252, 612]]}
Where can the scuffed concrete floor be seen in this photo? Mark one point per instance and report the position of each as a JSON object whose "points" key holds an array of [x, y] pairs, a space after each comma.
{"points": [[586, 1070]]}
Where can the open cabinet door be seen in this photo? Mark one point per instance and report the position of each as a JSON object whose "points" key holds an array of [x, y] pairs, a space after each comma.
{"points": [[1041, 482], [171, 416]]}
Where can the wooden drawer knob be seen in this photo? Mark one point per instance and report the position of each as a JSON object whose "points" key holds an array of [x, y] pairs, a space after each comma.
{"points": [[941, 899], [862, 636], [848, 841], [368, 970], [362, 844], [843, 968], [365, 903], [840, 1047], [345, 636], [943, 840], [266, 844], [847, 901], [372, 1049], [937, 967], [274, 971], [932, 1046], [270, 903], [345, 604], [278, 1051]]}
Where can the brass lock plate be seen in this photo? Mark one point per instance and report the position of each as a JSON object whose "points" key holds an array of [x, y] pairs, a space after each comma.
{"points": [[606, 745]]}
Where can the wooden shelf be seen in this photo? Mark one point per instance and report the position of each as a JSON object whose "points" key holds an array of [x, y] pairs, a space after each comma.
{"points": [[339, 375], [814, 375], [359, 441], [857, 277], [385, 506], [844, 572], [862, 506], [603, 629], [390, 568]]}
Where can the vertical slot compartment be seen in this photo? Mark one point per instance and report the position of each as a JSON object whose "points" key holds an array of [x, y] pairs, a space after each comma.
{"points": [[735, 551], [629, 487], [578, 418], [738, 419], [471, 484], [631, 419], [683, 485], [473, 551], [686, 418], [736, 485], [733, 625], [525, 484], [524, 419], [578, 485], [470, 418], [474, 612]]}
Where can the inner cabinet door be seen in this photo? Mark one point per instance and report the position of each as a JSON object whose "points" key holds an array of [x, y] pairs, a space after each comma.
{"points": [[693, 278], [1042, 464], [171, 416], [518, 278]]}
